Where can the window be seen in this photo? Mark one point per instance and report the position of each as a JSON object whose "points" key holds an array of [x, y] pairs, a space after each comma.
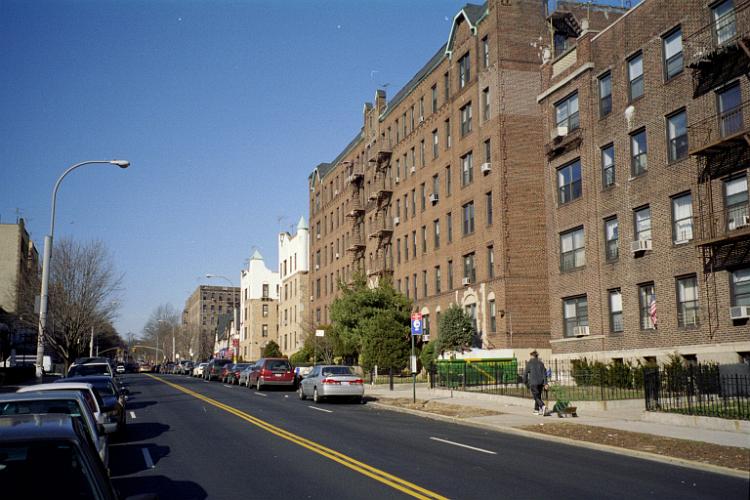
{"points": [[642, 223], [424, 239], [437, 279], [638, 153], [566, 114], [406, 248], [730, 110], [687, 301], [736, 200], [265, 310], [572, 250], [615, 310], [448, 133], [575, 314], [464, 70], [265, 291], [449, 224], [487, 151], [434, 98], [264, 330], [450, 275], [605, 94], [569, 182], [672, 54], [677, 136], [725, 26], [435, 184], [488, 203], [436, 233], [415, 285], [421, 109], [422, 196], [485, 54], [424, 284], [468, 220], [466, 119], [647, 306], [447, 86], [470, 271], [608, 166], [398, 251], [414, 244], [486, 104], [682, 219], [635, 76], [435, 144], [493, 316], [421, 153], [612, 239], [413, 160], [490, 262], [448, 186], [406, 283], [411, 117], [414, 202], [741, 287], [467, 169]]}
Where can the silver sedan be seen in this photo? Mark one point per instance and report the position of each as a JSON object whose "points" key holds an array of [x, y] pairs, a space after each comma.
{"points": [[327, 381]]}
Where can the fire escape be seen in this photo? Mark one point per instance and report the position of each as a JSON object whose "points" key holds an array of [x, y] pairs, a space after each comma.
{"points": [[720, 140], [381, 226], [356, 212]]}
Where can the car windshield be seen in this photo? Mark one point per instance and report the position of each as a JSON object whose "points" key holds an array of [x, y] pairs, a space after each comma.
{"points": [[84, 370], [22, 463], [337, 370], [277, 365], [64, 406], [241, 366], [104, 388]]}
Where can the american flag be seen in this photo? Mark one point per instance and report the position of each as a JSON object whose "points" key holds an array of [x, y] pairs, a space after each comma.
{"points": [[652, 309]]}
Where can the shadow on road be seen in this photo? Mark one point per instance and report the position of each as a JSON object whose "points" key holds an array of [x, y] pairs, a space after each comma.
{"points": [[130, 458], [143, 431], [161, 485], [139, 405]]}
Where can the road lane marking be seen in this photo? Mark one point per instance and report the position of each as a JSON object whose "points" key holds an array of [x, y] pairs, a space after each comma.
{"points": [[147, 458], [463, 446], [381, 476], [320, 409], [132, 414], [225, 385], [261, 394]]}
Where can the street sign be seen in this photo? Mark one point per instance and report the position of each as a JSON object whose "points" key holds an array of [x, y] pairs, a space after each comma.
{"points": [[320, 333], [416, 324]]}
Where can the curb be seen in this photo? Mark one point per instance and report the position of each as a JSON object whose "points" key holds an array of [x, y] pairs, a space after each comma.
{"points": [[681, 462]]}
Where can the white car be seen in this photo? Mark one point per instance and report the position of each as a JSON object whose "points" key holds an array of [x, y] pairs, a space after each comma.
{"points": [[198, 370], [331, 381]]}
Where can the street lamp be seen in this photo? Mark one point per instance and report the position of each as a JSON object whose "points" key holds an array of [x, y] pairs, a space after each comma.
{"points": [[236, 326], [47, 256]]}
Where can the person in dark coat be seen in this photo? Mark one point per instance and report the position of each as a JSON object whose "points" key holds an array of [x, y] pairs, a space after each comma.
{"points": [[535, 378]]}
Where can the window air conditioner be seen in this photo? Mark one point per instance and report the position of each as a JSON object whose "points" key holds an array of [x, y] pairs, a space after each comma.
{"points": [[335, 192], [434, 198], [413, 169], [640, 246], [466, 281], [486, 168], [421, 119], [317, 236], [739, 312], [398, 180], [561, 131], [337, 255], [317, 266], [581, 331], [396, 221]]}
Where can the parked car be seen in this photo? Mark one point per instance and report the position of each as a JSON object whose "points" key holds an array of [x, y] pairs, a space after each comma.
{"points": [[198, 369], [90, 395], [91, 368], [244, 377], [111, 396], [64, 402], [185, 367], [225, 372], [271, 371], [328, 381], [233, 375], [212, 371]]}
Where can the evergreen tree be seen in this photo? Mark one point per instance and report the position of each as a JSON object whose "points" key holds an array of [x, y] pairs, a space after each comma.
{"points": [[271, 350], [456, 330]]}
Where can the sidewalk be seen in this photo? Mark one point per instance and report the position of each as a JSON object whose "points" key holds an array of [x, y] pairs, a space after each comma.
{"points": [[516, 413]]}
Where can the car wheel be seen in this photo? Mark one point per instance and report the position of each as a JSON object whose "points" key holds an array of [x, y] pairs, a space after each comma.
{"points": [[316, 397], [301, 393], [258, 386]]}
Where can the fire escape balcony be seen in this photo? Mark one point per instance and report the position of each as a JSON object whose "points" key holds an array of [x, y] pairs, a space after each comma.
{"points": [[725, 234], [356, 178], [356, 244], [382, 156], [720, 50], [721, 141], [381, 228], [563, 142], [356, 209], [379, 267]]}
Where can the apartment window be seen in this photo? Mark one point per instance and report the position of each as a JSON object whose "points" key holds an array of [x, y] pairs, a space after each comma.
{"points": [[642, 223], [615, 310], [413, 160], [485, 52], [265, 310], [414, 244], [406, 286], [467, 169], [486, 104], [435, 184], [406, 248], [575, 314], [448, 186], [406, 206], [488, 205], [405, 125], [468, 218], [736, 200], [493, 315], [447, 86], [464, 70], [487, 151], [449, 225], [450, 275], [448, 133], [672, 54], [638, 153], [647, 306], [415, 285], [490, 262], [608, 166], [434, 98], [411, 117], [470, 271], [398, 251], [424, 239], [398, 132], [725, 21], [605, 94], [436, 233], [466, 119], [611, 239], [566, 114], [421, 109], [635, 76], [682, 219], [687, 301], [730, 110], [437, 279], [265, 291], [398, 208], [264, 330], [424, 284], [741, 287], [572, 250], [421, 153], [677, 136], [569, 182], [414, 202], [435, 144], [317, 288], [423, 196]]}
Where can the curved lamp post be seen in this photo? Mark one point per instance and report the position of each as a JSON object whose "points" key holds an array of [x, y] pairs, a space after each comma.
{"points": [[47, 256], [237, 327]]}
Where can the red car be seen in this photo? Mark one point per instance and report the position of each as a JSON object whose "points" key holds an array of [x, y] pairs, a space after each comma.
{"points": [[271, 371]]}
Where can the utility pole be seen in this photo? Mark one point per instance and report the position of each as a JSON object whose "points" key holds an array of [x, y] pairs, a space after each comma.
{"points": [[91, 344]]}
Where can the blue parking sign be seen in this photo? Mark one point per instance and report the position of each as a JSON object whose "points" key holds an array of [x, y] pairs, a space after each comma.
{"points": [[416, 324]]}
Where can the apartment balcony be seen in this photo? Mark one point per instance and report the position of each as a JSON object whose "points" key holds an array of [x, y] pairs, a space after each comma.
{"points": [[356, 209], [357, 244], [382, 156], [381, 228], [719, 51], [721, 141], [356, 177], [563, 142], [379, 267]]}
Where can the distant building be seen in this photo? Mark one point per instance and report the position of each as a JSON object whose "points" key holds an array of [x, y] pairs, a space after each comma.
{"points": [[259, 305], [200, 318], [293, 290], [19, 270]]}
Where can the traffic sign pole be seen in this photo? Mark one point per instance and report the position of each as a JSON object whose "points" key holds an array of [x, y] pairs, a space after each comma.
{"points": [[416, 329]]}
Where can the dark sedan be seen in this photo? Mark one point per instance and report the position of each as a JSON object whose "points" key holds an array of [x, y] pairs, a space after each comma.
{"points": [[233, 374], [113, 398]]}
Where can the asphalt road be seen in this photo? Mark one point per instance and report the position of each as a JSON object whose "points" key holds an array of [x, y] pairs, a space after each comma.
{"points": [[190, 439]]}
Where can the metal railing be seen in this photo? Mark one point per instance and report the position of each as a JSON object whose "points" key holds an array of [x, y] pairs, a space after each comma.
{"points": [[718, 34], [720, 224], [715, 128]]}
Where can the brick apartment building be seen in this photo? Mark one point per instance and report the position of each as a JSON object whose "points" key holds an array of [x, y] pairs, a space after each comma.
{"points": [[294, 266], [646, 181], [200, 317], [441, 189]]}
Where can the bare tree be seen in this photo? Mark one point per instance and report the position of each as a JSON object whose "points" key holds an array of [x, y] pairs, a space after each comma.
{"points": [[161, 325], [83, 289]]}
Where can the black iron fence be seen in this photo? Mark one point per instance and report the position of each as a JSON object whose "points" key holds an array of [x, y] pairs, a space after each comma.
{"points": [[703, 390]]}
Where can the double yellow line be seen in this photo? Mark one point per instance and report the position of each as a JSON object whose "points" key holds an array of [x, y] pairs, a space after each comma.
{"points": [[397, 483]]}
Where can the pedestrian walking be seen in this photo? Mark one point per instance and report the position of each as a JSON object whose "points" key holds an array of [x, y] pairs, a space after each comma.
{"points": [[535, 378]]}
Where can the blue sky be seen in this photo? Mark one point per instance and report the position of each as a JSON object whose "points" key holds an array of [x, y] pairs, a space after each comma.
{"points": [[223, 108]]}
